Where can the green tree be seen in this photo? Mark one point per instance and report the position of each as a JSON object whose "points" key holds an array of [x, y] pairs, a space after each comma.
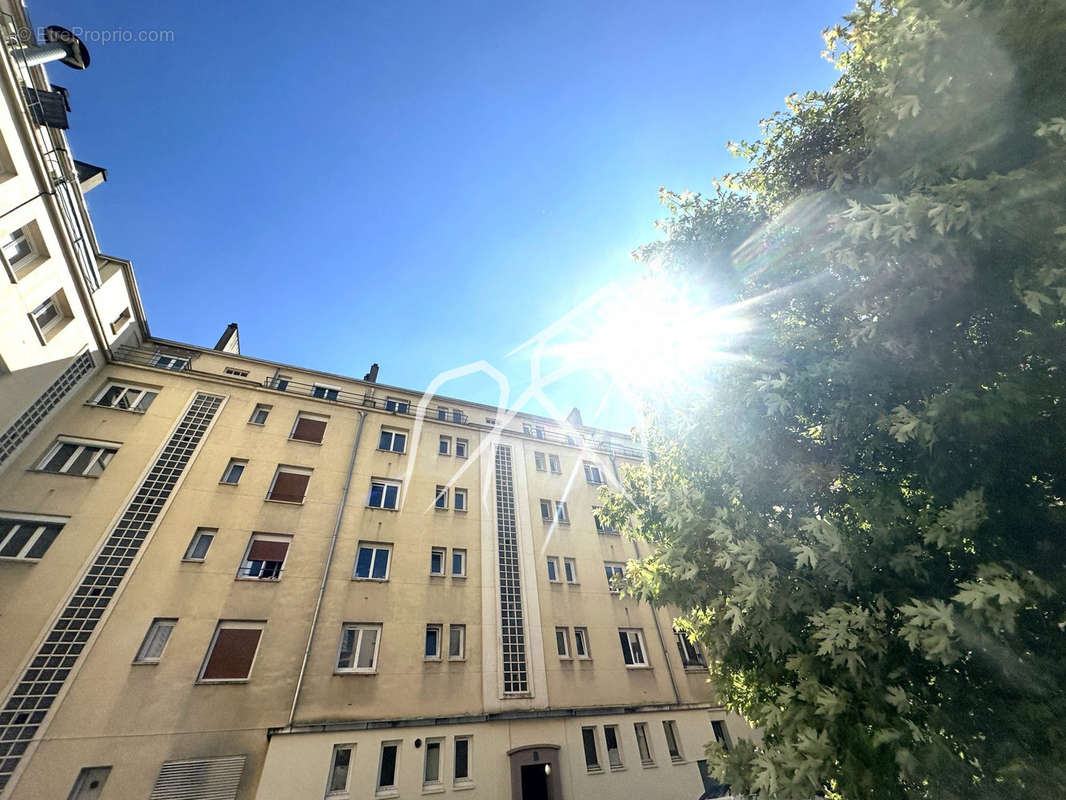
{"points": [[864, 519]]}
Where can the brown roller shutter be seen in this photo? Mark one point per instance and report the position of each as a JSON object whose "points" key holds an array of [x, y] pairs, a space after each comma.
{"points": [[263, 550], [309, 430], [289, 486], [231, 657]]}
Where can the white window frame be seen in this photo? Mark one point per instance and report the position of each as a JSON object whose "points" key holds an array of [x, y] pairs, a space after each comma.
{"points": [[357, 647], [593, 470], [23, 234], [324, 387], [462, 447], [582, 634], [552, 565], [393, 433], [157, 625], [570, 566], [691, 655], [646, 754], [166, 361], [616, 568], [233, 462], [540, 461], [554, 465], [438, 782], [461, 553], [376, 548], [440, 497], [617, 748], [444, 446], [331, 790], [386, 483], [443, 553], [230, 625], [108, 449], [41, 522], [399, 405], [461, 630], [636, 634], [459, 505], [439, 628], [197, 536], [56, 304], [388, 790], [126, 391], [235, 372], [562, 513], [260, 407], [464, 780], [670, 731], [442, 413], [245, 564], [564, 652]]}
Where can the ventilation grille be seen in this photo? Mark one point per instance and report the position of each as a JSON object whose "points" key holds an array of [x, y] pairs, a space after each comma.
{"points": [[50, 668], [512, 624], [31, 418], [202, 779]]}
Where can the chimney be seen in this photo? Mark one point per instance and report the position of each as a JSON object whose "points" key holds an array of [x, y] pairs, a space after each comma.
{"points": [[229, 341], [372, 376], [574, 418]]}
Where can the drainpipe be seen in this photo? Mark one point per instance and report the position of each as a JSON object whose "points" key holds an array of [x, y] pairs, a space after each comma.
{"points": [[325, 571]]}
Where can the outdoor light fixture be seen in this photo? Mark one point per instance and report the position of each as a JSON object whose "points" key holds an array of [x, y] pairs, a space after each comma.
{"points": [[61, 45]]}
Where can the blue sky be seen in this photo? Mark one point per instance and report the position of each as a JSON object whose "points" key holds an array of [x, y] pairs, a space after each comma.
{"points": [[419, 184]]}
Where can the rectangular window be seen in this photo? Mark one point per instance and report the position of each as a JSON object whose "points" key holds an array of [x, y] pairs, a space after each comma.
{"points": [[324, 392], [460, 499], [384, 494], [602, 526], [461, 771], [562, 642], [164, 361], [232, 651], [562, 516], [633, 651], [281, 382], [614, 747], [445, 446], [540, 462], [49, 316], [78, 457], [437, 555], [340, 768], [456, 642], [27, 537], [265, 557], [615, 571], [155, 641], [432, 650], [690, 653], [394, 441], [458, 562], [673, 741], [119, 322], [431, 765], [260, 414], [308, 428], [570, 570], [581, 643], [234, 470], [390, 753], [546, 510], [359, 647], [553, 464], [458, 416], [442, 413], [240, 373], [397, 405], [592, 756], [18, 248], [289, 484], [125, 397], [200, 544], [720, 734], [372, 562], [592, 473], [643, 745], [461, 446], [553, 569], [440, 500]]}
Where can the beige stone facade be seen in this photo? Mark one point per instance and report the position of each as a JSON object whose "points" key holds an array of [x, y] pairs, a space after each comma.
{"points": [[227, 577]]}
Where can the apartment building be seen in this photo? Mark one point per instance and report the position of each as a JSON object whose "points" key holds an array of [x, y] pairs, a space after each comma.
{"points": [[227, 577]]}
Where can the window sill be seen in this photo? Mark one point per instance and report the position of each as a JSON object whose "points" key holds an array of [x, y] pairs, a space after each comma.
{"points": [[381, 508], [462, 787], [253, 579], [392, 453], [648, 764], [137, 411], [285, 502], [64, 474], [433, 789], [695, 668], [355, 671], [18, 560], [456, 660], [219, 681], [638, 666], [436, 575], [370, 580], [194, 560], [439, 508], [229, 483], [594, 770], [618, 769], [460, 511], [459, 577], [432, 659], [677, 761], [145, 663], [257, 424], [304, 441], [387, 793]]}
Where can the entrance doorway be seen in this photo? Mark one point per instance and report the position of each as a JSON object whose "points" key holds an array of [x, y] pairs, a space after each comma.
{"points": [[535, 773], [534, 782]]}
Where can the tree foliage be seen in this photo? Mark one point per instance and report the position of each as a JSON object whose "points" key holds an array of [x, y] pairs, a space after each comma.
{"points": [[864, 519]]}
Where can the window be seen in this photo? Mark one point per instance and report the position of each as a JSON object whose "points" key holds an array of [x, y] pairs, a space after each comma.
{"points": [[260, 414], [673, 742], [458, 416], [125, 397], [561, 514], [614, 748], [265, 557], [553, 569], [570, 570], [383, 494], [155, 641], [461, 446], [359, 647], [445, 446], [581, 643], [232, 651], [458, 563], [553, 464], [592, 473], [441, 499], [17, 247], [592, 756], [279, 382], [533, 430], [614, 571], [372, 562], [720, 734], [602, 526], [119, 322], [437, 555], [432, 651], [397, 405], [200, 544], [234, 470], [562, 642], [289, 484], [643, 745], [461, 770], [690, 653], [339, 768], [393, 441], [308, 428], [460, 499], [78, 457], [26, 537], [546, 510], [164, 361], [322, 391], [49, 316], [540, 462], [390, 752], [89, 784], [442, 413], [456, 642], [633, 652], [240, 373], [431, 766]]}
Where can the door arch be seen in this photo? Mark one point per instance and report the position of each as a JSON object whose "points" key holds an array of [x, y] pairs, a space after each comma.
{"points": [[535, 773]]}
